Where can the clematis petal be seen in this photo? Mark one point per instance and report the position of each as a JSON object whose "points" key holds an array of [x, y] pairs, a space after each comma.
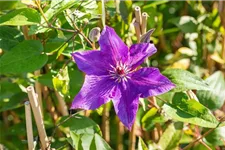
{"points": [[91, 62], [138, 53], [150, 82], [95, 92], [111, 44], [125, 103]]}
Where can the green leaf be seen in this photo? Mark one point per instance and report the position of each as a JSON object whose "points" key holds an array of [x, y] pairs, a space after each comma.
{"points": [[46, 79], [125, 8], [57, 7], [100, 143], [190, 111], [216, 137], [80, 125], [25, 57], [76, 80], [150, 118], [21, 17], [141, 144], [61, 81], [89, 141], [8, 37], [7, 5], [171, 137], [184, 80], [187, 24], [213, 99], [13, 102], [52, 47]]}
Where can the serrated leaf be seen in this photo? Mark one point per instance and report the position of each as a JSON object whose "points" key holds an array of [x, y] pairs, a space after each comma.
{"points": [[213, 99], [185, 80], [25, 57], [171, 136], [20, 17], [190, 111]]}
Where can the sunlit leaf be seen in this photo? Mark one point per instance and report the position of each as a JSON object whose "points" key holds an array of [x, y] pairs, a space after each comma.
{"points": [[20, 17], [27, 56], [185, 80], [215, 98], [189, 110], [171, 136]]}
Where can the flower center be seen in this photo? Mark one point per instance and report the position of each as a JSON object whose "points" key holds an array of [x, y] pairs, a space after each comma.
{"points": [[119, 73]]}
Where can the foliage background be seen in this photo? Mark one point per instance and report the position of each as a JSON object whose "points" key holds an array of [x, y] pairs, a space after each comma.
{"points": [[189, 35]]}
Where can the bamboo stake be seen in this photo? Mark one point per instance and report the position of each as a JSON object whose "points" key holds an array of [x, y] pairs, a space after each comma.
{"points": [[38, 90], [120, 132], [144, 22], [138, 31], [38, 117], [105, 124], [29, 128], [62, 105], [137, 11], [132, 138]]}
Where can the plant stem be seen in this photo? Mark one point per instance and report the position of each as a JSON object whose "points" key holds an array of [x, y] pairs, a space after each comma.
{"points": [[41, 11], [199, 138]]}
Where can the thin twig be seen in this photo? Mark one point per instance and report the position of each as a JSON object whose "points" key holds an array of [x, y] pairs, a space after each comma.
{"points": [[80, 31], [204, 135], [57, 126], [41, 11]]}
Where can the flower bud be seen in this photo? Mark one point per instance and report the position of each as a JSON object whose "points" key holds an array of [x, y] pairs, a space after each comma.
{"points": [[94, 34]]}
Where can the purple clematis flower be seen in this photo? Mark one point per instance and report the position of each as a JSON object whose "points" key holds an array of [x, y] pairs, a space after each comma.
{"points": [[111, 74]]}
